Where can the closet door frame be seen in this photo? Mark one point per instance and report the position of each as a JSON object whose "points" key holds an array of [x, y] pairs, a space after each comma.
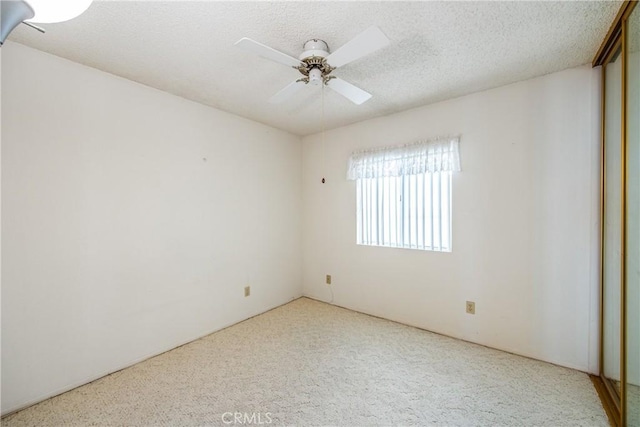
{"points": [[616, 38]]}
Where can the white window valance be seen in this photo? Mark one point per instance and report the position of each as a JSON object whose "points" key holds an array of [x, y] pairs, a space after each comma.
{"points": [[436, 155]]}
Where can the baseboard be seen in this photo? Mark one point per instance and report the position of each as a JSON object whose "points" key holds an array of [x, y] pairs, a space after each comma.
{"points": [[607, 403], [136, 361], [583, 369]]}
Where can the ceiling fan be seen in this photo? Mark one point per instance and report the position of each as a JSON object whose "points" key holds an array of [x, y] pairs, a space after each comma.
{"points": [[316, 63]]}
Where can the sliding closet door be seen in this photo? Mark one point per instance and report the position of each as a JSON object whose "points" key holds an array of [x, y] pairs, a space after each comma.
{"points": [[619, 380], [632, 253], [612, 235]]}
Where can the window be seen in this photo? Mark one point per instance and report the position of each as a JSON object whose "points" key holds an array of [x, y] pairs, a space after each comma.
{"points": [[404, 195], [412, 211]]}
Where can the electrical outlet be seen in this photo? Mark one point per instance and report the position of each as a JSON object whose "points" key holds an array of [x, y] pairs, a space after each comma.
{"points": [[328, 280], [471, 307], [247, 291]]}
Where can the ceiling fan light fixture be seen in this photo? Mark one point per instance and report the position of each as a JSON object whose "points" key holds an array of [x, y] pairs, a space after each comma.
{"points": [[48, 11], [315, 77]]}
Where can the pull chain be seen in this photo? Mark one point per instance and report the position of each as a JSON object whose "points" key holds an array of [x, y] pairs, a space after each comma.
{"points": [[323, 145], [325, 205]]}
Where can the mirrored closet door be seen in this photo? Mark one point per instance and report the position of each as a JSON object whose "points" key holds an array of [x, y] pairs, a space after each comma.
{"points": [[619, 380]]}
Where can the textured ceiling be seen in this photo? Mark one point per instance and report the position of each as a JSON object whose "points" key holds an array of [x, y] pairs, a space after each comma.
{"points": [[438, 50]]}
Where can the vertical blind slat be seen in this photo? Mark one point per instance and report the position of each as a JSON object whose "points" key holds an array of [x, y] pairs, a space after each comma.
{"points": [[431, 243], [417, 206], [439, 210], [398, 202], [424, 213]]}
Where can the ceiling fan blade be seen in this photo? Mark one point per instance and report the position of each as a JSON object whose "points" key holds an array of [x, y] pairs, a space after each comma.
{"points": [[286, 92], [267, 52], [361, 45], [349, 91]]}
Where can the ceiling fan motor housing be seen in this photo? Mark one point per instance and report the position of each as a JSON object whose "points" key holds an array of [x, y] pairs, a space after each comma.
{"points": [[315, 47], [314, 67]]}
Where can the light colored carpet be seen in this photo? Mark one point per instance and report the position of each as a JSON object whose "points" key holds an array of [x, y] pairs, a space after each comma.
{"points": [[633, 405], [310, 363]]}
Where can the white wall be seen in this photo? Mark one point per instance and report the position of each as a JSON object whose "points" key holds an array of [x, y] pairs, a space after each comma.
{"points": [[119, 241], [525, 221]]}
